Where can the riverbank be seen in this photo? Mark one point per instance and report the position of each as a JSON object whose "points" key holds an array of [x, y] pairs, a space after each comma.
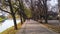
{"points": [[11, 30]]}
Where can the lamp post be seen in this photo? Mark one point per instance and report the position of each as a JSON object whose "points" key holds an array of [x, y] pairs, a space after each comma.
{"points": [[59, 10]]}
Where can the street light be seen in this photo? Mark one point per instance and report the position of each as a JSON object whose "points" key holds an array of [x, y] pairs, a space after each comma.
{"points": [[59, 17]]}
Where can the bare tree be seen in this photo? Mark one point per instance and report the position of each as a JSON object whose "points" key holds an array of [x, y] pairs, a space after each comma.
{"points": [[12, 13]]}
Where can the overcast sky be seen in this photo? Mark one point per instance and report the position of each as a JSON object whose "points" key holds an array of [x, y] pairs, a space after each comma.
{"points": [[53, 3]]}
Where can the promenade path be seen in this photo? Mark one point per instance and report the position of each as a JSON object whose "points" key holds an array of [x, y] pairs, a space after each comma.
{"points": [[33, 27]]}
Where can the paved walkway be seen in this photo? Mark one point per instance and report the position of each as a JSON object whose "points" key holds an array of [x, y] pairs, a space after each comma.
{"points": [[33, 27]]}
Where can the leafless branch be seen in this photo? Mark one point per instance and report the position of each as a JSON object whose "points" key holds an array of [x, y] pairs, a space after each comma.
{"points": [[4, 11]]}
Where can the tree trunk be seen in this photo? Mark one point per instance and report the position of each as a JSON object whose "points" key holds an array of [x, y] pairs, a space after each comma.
{"points": [[14, 20], [12, 13], [45, 9], [21, 20]]}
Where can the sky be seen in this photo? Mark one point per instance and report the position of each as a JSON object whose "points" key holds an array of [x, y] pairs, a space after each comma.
{"points": [[52, 3]]}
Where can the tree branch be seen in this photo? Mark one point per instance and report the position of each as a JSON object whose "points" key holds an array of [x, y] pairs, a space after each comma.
{"points": [[16, 10], [4, 11]]}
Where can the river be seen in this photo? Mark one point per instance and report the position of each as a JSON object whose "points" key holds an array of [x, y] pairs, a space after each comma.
{"points": [[7, 24]]}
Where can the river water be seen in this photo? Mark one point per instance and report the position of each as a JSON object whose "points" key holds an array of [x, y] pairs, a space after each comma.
{"points": [[6, 24]]}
